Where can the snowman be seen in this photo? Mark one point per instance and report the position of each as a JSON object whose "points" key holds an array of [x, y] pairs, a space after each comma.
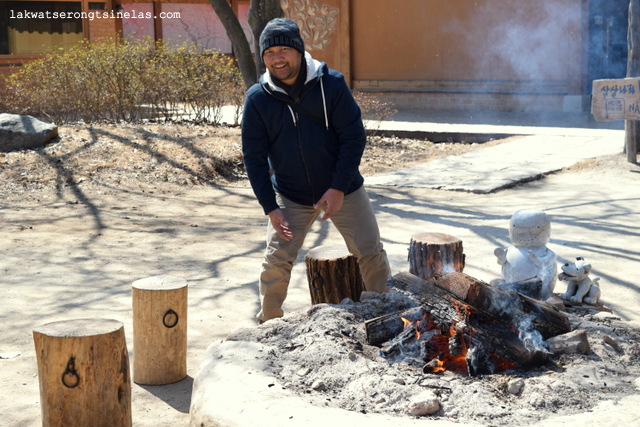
{"points": [[529, 257]]}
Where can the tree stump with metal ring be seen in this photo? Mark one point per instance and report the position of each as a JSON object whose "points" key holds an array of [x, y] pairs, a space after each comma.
{"points": [[83, 370], [159, 330], [333, 275]]}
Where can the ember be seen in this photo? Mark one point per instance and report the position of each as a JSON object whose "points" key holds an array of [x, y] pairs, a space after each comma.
{"points": [[442, 348]]}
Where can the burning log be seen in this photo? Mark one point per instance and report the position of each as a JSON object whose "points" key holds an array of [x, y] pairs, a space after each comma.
{"points": [[431, 254], [455, 334], [506, 305], [530, 287], [384, 328]]}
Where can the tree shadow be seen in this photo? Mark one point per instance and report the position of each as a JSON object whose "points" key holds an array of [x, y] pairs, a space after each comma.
{"points": [[177, 395]]}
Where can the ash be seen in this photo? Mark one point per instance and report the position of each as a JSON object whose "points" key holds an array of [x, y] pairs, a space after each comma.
{"points": [[323, 356]]}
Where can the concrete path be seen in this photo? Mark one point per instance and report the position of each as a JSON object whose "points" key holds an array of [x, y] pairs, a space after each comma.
{"points": [[539, 151], [494, 168]]}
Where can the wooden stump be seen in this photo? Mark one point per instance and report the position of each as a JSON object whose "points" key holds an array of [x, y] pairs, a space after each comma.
{"points": [[83, 370], [333, 275], [159, 330], [432, 254]]}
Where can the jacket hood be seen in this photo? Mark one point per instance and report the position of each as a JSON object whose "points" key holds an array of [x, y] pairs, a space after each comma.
{"points": [[315, 69]]}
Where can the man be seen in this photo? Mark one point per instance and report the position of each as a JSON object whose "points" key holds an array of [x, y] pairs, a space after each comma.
{"points": [[302, 141]]}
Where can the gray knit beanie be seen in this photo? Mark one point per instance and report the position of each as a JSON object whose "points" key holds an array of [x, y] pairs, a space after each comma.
{"points": [[281, 32]]}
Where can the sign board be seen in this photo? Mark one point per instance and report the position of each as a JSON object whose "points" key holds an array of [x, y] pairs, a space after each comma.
{"points": [[616, 99]]}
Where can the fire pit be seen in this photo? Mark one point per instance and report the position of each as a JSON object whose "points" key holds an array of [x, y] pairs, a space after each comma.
{"points": [[320, 365]]}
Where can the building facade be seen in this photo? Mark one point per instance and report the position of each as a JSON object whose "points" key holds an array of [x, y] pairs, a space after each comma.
{"points": [[507, 55]]}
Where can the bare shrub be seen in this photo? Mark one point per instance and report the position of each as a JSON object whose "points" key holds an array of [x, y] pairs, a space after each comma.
{"points": [[374, 110], [125, 81]]}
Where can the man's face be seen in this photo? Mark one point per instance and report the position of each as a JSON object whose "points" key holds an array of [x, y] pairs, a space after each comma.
{"points": [[283, 63]]}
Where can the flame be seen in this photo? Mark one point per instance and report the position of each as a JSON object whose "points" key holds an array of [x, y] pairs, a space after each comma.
{"points": [[439, 366], [418, 325], [447, 348], [440, 344], [406, 322]]}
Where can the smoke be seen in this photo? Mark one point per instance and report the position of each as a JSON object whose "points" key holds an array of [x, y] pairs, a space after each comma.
{"points": [[528, 42], [448, 268], [521, 48], [507, 304], [530, 336]]}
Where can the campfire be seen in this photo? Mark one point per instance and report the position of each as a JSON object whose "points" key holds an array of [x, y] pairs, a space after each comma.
{"points": [[465, 325], [440, 348]]}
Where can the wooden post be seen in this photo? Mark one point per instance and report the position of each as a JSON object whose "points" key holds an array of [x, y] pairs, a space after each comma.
{"points": [[632, 127], [431, 254], [83, 370], [159, 330], [333, 275]]}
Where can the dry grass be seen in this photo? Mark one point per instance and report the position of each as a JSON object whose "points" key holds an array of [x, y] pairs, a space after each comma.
{"points": [[165, 157]]}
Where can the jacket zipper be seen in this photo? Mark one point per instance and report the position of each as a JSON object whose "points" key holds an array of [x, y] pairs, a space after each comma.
{"points": [[304, 160], [296, 121]]}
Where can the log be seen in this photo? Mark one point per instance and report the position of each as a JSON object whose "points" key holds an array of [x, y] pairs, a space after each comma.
{"points": [[475, 331], [333, 274], [83, 371], [159, 330], [529, 287], [505, 305], [384, 328], [431, 254]]}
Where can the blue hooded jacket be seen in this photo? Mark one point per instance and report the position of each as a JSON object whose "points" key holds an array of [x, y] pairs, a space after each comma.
{"points": [[302, 149]]}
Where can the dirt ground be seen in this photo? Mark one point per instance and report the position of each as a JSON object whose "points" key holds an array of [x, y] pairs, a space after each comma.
{"points": [[105, 206]]}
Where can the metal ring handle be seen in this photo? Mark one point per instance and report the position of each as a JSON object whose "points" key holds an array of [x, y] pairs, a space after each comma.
{"points": [[70, 372], [170, 319], [319, 278]]}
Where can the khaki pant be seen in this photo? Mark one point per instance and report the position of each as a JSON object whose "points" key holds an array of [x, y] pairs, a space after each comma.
{"points": [[355, 221]]}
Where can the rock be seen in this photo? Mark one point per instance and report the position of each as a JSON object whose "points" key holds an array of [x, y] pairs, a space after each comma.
{"points": [[318, 385], [425, 403], [303, 371], [613, 343], [556, 302], [399, 381], [537, 400], [604, 315], [515, 387], [571, 343], [18, 132]]}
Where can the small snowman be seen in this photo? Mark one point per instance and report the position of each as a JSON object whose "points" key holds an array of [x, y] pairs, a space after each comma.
{"points": [[529, 257]]}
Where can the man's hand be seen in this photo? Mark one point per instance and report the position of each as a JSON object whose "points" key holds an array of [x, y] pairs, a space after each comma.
{"points": [[333, 199], [280, 224]]}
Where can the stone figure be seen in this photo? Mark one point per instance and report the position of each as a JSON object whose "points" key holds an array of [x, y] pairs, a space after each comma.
{"points": [[530, 231], [580, 288]]}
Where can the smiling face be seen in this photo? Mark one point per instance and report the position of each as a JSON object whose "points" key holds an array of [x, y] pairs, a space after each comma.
{"points": [[283, 63]]}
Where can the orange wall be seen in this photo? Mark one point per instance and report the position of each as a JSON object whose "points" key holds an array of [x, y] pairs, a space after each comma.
{"points": [[489, 45]]}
